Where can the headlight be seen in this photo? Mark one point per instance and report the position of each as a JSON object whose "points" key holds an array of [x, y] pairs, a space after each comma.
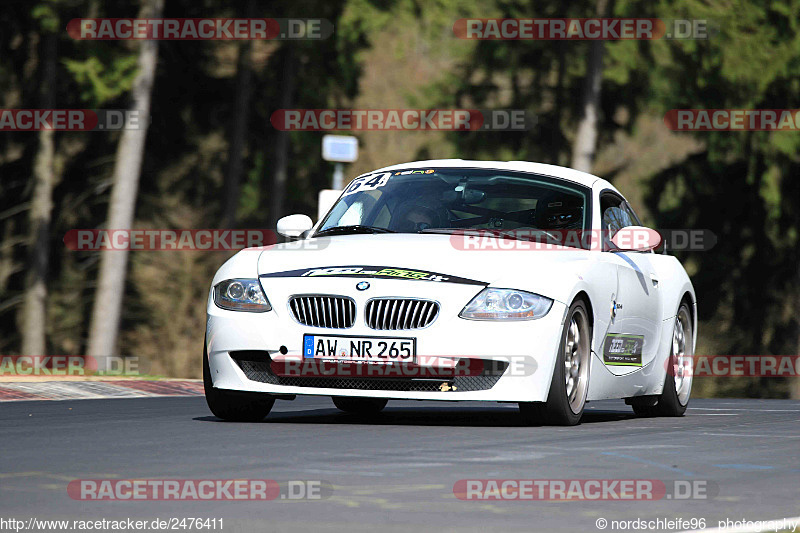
{"points": [[506, 304], [241, 295]]}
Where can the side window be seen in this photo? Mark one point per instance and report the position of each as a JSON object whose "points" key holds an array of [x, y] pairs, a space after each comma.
{"points": [[631, 214], [616, 215]]}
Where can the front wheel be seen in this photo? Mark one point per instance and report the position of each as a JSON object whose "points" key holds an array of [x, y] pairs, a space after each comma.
{"points": [[678, 382], [360, 406], [567, 397], [234, 406]]}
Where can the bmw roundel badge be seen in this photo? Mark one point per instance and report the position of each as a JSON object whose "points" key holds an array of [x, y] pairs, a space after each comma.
{"points": [[362, 285]]}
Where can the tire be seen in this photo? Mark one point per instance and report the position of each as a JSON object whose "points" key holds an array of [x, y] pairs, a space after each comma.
{"points": [[360, 406], [234, 406], [567, 397], [677, 385]]}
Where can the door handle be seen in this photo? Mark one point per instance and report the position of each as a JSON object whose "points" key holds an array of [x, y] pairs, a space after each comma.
{"points": [[654, 279]]}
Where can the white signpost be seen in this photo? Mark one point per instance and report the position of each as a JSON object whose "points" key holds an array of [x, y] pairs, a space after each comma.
{"points": [[339, 149]]}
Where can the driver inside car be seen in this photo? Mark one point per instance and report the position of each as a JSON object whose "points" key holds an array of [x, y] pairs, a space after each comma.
{"points": [[559, 212], [411, 217]]}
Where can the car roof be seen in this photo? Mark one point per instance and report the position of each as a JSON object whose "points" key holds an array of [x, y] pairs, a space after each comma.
{"points": [[569, 174]]}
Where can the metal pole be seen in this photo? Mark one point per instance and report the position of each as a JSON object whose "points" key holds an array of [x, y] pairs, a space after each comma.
{"points": [[338, 177]]}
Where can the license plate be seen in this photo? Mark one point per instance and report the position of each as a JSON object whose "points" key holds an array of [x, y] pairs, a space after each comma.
{"points": [[364, 349]]}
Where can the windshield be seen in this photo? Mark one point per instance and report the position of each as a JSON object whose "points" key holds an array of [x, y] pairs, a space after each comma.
{"points": [[442, 200]]}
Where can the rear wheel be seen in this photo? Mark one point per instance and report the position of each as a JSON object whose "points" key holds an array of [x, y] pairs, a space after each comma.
{"points": [[567, 397], [234, 405], [360, 406], [678, 382]]}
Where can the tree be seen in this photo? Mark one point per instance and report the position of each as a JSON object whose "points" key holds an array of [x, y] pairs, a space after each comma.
{"points": [[238, 128], [585, 143], [742, 185], [34, 311], [127, 168], [282, 148]]}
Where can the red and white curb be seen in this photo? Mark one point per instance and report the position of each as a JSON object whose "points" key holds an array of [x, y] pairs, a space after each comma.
{"points": [[88, 390]]}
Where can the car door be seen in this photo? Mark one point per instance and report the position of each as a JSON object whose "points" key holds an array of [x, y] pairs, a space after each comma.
{"points": [[633, 336]]}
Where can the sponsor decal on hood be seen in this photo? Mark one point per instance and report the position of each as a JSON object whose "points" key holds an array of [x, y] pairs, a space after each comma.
{"points": [[372, 272]]}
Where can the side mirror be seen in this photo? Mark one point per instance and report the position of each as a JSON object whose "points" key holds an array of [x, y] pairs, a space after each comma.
{"points": [[294, 225], [636, 239]]}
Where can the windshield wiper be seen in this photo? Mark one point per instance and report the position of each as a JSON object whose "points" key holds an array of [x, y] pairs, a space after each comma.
{"points": [[508, 234], [444, 231], [498, 234], [351, 230]]}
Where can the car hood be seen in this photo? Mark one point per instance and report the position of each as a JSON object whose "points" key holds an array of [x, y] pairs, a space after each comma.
{"points": [[428, 258]]}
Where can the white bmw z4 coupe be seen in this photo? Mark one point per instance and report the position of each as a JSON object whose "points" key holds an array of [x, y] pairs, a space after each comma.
{"points": [[456, 280]]}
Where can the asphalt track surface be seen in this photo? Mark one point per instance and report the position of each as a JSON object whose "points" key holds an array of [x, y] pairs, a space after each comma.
{"points": [[396, 472]]}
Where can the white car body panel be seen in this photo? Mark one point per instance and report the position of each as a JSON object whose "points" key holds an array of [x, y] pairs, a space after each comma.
{"points": [[650, 287]]}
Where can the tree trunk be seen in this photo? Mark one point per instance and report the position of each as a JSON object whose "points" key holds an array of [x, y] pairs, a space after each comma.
{"points": [[34, 311], [556, 137], [127, 167], [280, 176], [794, 383], [585, 144], [238, 140]]}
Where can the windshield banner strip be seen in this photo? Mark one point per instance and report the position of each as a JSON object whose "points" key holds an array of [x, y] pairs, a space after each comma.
{"points": [[372, 272]]}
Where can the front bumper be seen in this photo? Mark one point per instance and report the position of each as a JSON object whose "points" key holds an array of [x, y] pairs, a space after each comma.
{"points": [[524, 351]]}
